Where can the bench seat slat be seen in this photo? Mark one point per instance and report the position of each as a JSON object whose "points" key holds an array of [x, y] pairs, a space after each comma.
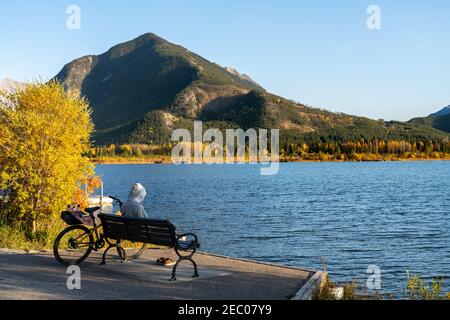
{"points": [[152, 231]]}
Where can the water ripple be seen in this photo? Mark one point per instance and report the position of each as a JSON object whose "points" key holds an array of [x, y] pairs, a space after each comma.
{"points": [[348, 215]]}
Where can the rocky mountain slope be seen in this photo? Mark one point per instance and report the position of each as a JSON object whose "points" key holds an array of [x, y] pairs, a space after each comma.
{"points": [[439, 120], [143, 89]]}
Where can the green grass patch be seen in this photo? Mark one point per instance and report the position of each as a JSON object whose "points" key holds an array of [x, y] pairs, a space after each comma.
{"points": [[17, 238]]}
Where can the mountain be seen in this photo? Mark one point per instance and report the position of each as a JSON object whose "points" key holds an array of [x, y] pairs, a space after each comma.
{"points": [[143, 89], [10, 85], [147, 74], [439, 120], [443, 112]]}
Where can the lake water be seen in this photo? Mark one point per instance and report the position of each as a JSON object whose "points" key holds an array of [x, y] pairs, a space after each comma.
{"points": [[347, 215]]}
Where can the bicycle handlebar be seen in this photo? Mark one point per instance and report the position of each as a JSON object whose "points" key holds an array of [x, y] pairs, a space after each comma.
{"points": [[117, 200]]}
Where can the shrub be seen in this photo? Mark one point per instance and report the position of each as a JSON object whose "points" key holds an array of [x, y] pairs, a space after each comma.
{"points": [[45, 134]]}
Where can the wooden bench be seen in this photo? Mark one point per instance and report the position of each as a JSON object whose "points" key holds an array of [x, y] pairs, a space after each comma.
{"points": [[148, 231]]}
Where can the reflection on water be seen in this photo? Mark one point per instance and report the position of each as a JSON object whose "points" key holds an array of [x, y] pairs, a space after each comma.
{"points": [[351, 215]]}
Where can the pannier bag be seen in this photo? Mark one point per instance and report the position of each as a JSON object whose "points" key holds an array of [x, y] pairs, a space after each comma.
{"points": [[76, 218]]}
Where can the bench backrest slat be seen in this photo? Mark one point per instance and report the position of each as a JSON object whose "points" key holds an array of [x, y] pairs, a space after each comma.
{"points": [[151, 231]]}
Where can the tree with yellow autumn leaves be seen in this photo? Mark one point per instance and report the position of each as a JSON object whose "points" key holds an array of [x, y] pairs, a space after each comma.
{"points": [[44, 136]]}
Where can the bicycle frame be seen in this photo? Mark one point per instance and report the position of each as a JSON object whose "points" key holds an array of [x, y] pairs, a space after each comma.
{"points": [[99, 238]]}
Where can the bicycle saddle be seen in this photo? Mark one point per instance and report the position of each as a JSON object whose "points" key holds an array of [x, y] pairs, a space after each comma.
{"points": [[92, 210]]}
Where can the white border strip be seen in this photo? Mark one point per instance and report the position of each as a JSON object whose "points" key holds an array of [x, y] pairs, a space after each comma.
{"points": [[308, 290]]}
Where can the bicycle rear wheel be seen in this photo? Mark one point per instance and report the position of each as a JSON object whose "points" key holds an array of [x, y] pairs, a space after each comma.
{"points": [[133, 250], [73, 245]]}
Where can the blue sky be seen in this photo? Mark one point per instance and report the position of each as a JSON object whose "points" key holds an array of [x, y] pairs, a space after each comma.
{"points": [[318, 52]]}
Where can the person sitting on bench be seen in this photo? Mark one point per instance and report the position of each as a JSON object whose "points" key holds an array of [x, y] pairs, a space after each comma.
{"points": [[133, 208]]}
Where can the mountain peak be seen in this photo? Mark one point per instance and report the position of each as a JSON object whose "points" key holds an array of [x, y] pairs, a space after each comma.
{"points": [[145, 38], [443, 112], [147, 74], [10, 85], [242, 76]]}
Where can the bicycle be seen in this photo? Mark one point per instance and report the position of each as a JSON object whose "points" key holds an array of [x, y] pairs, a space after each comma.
{"points": [[75, 243]]}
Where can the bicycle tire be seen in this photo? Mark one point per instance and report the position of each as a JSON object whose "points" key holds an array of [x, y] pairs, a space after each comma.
{"points": [[56, 245], [138, 254]]}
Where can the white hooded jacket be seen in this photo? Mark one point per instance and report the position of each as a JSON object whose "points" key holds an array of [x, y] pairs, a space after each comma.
{"points": [[133, 208]]}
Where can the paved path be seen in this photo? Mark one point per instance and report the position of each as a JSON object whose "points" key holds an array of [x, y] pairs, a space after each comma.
{"points": [[39, 276]]}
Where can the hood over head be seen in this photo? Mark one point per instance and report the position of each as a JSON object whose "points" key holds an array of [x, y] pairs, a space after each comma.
{"points": [[137, 193]]}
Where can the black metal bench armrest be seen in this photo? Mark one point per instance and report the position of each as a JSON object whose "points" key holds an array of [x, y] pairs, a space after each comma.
{"points": [[188, 245]]}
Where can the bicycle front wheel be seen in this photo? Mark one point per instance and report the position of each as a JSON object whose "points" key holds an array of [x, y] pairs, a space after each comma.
{"points": [[73, 245]]}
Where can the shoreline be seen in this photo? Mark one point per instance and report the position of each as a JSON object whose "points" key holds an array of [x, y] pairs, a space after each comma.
{"points": [[119, 161]]}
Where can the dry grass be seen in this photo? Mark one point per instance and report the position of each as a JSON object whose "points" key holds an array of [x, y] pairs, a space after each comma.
{"points": [[418, 289]]}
